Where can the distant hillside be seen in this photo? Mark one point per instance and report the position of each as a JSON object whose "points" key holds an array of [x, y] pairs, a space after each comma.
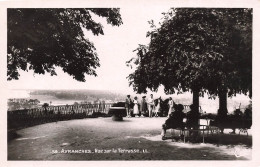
{"points": [[77, 95], [63, 97]]}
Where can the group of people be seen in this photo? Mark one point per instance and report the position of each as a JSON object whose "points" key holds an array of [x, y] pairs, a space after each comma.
{"points": [[151, 106], [175, 120], [235, 120]]}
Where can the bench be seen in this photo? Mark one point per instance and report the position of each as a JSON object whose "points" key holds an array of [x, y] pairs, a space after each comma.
{"points": [[230, 123], [205, 129]]}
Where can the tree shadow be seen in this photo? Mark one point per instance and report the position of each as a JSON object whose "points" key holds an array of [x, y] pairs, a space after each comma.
{"points": [[124, 120], [12, 134]]}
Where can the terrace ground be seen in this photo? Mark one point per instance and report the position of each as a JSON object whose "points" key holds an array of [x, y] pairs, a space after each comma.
{"points": [[104, 139]]}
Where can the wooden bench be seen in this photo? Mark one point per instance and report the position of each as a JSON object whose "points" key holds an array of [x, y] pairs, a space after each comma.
{"points": [[205, 131], [229, 123]]}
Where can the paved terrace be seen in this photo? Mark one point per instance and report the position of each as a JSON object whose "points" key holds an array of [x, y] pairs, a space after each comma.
{"points": [[104, 139]]}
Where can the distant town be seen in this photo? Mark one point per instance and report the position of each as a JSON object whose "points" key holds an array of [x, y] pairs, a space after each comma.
{"points": [[21, 103], [37, 98]]}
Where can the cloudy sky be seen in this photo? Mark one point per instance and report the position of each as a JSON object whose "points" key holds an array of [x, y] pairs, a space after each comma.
{"points": [[114, 48]]}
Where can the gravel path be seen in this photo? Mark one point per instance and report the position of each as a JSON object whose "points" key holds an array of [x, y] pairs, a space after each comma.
{"points": [[104, 139]]}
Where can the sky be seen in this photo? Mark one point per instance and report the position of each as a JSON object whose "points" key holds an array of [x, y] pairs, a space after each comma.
{"points": [[114, 48]]}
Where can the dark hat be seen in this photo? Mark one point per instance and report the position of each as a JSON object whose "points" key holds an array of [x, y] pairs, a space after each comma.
{"points": [[144, 97], [128, 96]]}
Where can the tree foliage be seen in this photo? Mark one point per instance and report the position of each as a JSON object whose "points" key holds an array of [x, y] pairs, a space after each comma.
{"points": [[42, 39], [197, 48], [22, 104]]}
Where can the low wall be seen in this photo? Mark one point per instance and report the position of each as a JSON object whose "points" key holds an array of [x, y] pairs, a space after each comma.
{"points": [[29, 117]]}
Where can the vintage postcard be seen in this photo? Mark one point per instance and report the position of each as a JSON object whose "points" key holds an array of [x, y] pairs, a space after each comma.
{"points": [[129, 83]]}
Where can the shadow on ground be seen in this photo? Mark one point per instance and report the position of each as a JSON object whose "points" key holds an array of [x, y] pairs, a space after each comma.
{"points": [[46, 142]]}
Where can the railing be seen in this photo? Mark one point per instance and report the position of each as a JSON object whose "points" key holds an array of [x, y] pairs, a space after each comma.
{"points": [[35, 116], [29, 117]]}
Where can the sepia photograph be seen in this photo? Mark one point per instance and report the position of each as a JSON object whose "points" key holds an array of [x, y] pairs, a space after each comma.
{"points": [[129, 83]]}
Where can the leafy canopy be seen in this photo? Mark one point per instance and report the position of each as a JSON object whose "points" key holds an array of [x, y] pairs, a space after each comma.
{"points": [[197, 48], [42, 39]]}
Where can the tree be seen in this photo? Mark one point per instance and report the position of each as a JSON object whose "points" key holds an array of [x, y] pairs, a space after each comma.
{"points": [[202, 50], [42, 39], [45, 105], [13, 105]]}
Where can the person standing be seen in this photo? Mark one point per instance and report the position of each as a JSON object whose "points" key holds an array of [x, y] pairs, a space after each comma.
{"points": [[158, 107], [128, 102], [151, 105], [143, 106], [136, 110], [171, 105]]}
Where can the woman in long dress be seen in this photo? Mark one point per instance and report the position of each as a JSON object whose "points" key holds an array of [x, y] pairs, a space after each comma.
{"points": [[171, 104], [158, 107], [136, 110]]}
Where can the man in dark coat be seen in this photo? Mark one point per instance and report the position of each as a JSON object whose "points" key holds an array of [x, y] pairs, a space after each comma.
{"points": [[128, 104], [143, 106], [175, 120], [192, 118]]}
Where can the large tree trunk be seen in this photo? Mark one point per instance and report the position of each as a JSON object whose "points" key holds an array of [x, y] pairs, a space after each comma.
{"points": [[195, 115], [222, 112], [196, 105]]}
